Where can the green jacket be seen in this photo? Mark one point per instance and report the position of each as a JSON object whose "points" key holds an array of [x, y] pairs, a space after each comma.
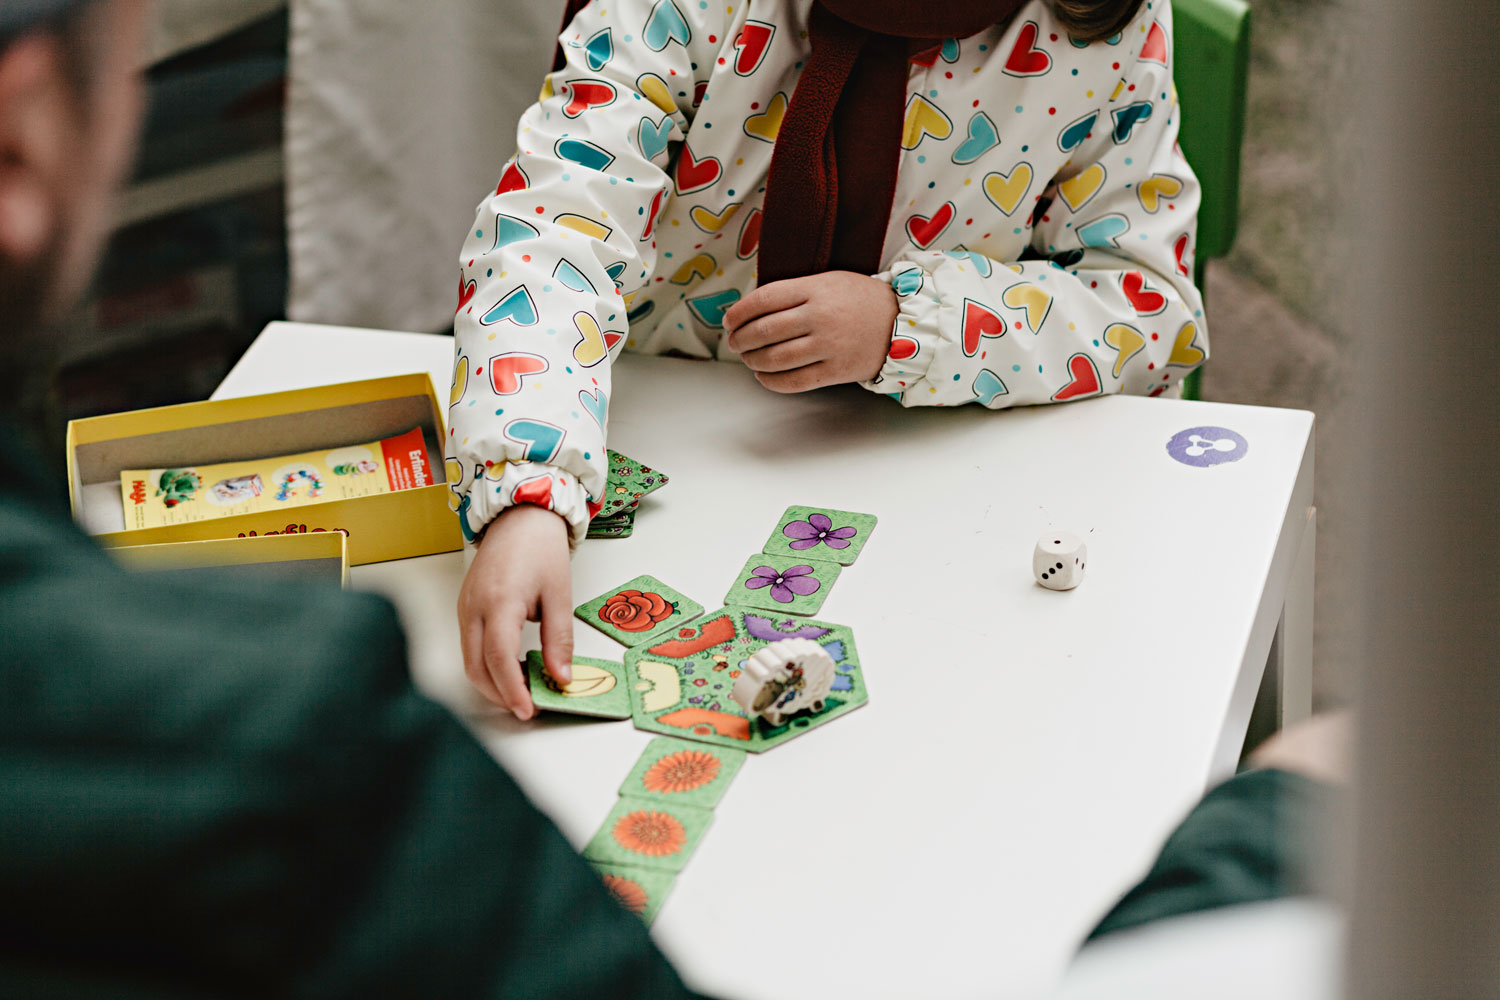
{"points": [[214, 790]]}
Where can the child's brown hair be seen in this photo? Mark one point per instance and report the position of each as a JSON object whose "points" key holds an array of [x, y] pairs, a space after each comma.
{"points": [[1091, 20]]}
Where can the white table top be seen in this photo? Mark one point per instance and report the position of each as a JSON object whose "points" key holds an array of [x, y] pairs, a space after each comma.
{"points": [[1024, 752]]}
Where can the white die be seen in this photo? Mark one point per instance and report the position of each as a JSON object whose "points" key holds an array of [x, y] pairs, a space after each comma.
{"points": [[1059, 560]]}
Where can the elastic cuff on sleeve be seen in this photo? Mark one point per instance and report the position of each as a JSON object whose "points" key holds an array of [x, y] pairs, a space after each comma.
{"points": [[525, 482], [913, 346]]}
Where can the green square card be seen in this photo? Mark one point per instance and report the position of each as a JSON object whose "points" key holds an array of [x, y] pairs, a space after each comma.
{"points": [[638, 611], [648, 833], [597, 688], [794, 584], [683, 771], [639, 890], [821, 533]]}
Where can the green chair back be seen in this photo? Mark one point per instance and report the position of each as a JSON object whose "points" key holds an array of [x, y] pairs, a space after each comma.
{"points": [[1211, 66]]}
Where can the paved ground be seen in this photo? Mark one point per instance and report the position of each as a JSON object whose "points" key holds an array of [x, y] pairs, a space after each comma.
{"points": [[1274, 306]]}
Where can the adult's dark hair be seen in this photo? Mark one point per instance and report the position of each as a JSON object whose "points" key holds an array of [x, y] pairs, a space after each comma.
{"points": [[1091, 20], [66, 19]]}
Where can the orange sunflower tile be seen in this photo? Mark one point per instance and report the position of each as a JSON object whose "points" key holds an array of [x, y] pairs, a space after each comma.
{"points": [[639, 890], [673, 770], [648, 833]]}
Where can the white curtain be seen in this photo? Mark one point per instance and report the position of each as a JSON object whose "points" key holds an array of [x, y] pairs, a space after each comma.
{"points": [[400, 116]]}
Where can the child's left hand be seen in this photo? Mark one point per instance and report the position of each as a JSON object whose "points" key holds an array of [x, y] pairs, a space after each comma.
{"points": [[805, 333]]}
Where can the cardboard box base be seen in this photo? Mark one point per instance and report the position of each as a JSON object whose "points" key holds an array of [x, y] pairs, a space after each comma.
{"points": [[412, 522]]}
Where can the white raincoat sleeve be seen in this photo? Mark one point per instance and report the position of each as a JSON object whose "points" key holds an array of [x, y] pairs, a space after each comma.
{"points": [[556, 254], [1108, 305]]}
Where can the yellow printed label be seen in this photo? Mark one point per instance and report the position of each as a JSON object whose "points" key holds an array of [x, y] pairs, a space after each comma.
{"points": [[157, 497]]}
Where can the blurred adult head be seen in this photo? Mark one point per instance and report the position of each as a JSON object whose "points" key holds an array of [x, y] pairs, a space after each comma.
{"points": [[70, 102]]}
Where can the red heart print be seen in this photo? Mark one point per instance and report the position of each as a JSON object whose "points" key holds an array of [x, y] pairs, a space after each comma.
{"points": [[903, 348], [465, 292], [694, 174], [507, 370], [1026, 59], [699, 89], [1145, 301], [1180, 250], [1155, 49], [750, 235], [924, 230], [536, 491], [1085, 380], [588, 94], [651, 215], [752, 41], [980, 321], [512, 180], [611, 338], [594, 507]]}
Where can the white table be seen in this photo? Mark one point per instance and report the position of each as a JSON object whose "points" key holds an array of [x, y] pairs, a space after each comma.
{"points": [[1024, 752]]}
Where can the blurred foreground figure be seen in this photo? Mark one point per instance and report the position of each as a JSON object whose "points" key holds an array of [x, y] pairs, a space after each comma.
{"points": [[211, 790], [1236, 904]]}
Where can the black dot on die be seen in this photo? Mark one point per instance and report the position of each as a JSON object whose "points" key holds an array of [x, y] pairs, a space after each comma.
{"points": [[1059, 565], [1044, 574]]}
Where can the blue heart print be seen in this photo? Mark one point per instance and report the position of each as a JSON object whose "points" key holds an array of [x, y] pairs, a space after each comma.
{"points": [[463, 518], [596, 403], [950, 50], [516, 307], [710, 309], [1111, 40], [1071, 137], [666, 24], [509, 229], [982, 138], [641, 311], [600, 50], [981, 263], [542, 440], [584, 153], [572, 277], [614, 271], [1127, 118], [908, 282], [654, 137], [1104, 231], [987, 386]]}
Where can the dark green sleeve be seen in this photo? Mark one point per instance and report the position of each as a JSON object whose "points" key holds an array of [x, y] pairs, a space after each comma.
{"points": [[1252, 838], [209, 790]]}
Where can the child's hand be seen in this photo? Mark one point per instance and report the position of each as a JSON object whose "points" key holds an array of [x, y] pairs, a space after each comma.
{"points": [[805, 333], [520, 574]]}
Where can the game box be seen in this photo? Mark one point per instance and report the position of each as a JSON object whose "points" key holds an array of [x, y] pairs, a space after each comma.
{"points": [[413, 520], [315, 558]]}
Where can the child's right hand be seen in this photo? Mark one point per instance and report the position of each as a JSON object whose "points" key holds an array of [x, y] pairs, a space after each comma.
{"points": [[520, 573]]}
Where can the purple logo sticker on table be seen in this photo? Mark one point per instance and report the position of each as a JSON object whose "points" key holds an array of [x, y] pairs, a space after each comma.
{"points": [[1205, 446]]}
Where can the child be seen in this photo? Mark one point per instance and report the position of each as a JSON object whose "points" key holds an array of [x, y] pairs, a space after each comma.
{"points": [[711, 179]]}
